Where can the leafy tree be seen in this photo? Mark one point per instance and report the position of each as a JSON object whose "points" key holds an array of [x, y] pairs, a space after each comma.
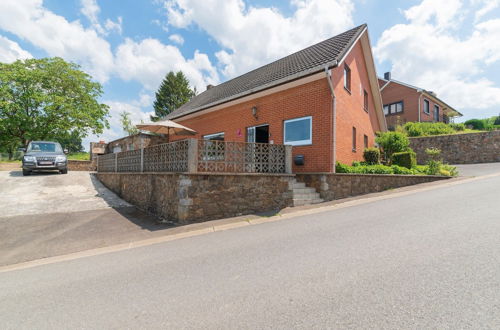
{"points": [[174, 91], [71, 141], [44, 98], [127, 125], [497, 120]]}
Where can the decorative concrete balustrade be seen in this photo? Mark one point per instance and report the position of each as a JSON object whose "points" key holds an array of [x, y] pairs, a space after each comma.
{"points": [[201, 156]]}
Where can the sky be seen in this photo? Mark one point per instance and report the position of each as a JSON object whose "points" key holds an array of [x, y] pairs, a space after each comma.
{"points": [[451, 47]]}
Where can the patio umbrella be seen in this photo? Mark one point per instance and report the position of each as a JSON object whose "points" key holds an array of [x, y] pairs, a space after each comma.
{"points": [[166, 127]]}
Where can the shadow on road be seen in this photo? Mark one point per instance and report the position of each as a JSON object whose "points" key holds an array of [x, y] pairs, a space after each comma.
{"points": [[20, 173]]}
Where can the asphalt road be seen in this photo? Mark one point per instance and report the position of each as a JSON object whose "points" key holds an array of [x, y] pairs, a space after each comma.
{"points": [[425, 260]]}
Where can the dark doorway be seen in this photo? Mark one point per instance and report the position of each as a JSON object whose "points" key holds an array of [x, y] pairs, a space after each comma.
{"points": [[262, 134], [258, 134]]}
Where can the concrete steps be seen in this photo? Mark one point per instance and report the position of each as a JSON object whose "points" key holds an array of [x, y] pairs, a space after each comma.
{"points": [[303, 195]]}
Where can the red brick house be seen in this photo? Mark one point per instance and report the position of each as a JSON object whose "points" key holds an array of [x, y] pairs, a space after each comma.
{"points": [[324, 100], [406, 103]]}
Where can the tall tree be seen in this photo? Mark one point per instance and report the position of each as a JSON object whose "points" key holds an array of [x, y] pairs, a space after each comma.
{"points": [[127, 125], [71, 141], [44, 98], [174, 91]]}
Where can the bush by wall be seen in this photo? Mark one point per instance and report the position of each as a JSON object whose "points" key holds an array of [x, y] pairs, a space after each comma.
{"points": [[428, 129], [372, 156], [406, 159], [392, 142]]}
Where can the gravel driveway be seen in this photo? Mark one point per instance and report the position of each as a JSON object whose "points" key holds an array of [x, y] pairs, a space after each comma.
{"points": [[50, 214]]}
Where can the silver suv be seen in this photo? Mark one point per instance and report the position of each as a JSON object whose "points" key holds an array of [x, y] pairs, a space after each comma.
{"points": [[44, 155]]}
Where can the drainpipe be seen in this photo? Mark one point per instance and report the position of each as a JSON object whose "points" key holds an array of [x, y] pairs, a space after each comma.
{"points": [[334, 114], [419, 103]]}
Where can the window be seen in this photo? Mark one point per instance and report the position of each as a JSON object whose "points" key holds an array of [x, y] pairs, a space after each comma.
{"points": [[436, 113], [393, 108], [214, 137], [427, 107], [365, 138], [347, 78], [354, 139], [298, 131], [365, 97]]}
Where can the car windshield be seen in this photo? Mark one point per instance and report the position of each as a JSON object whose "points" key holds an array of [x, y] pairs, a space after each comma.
{"points": [[44, 147]]}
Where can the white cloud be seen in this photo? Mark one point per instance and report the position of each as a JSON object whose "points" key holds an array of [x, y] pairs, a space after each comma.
{"points": [[114, 26], [177, 38], [254, 36], [29, 20], [487, 7], [431, 52], [149, 60], [90, 9], [10, 51]]}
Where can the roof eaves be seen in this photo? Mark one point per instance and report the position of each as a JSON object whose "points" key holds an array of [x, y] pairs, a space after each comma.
{"points": [[261, 88]]}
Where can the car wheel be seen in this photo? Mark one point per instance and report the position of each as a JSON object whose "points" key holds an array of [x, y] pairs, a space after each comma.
{"points": [[26, 173], [65, 171]]}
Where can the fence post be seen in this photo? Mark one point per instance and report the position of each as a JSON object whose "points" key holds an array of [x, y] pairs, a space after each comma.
{"points": [[142, 160], [116, 162], [288, 159], [192, 161]]}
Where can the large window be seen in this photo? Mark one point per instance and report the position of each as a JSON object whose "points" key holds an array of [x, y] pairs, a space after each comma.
{"points": [[394, 108], [427, 107], [214, 137], [347, 77], [354, 139], [298, 131]]}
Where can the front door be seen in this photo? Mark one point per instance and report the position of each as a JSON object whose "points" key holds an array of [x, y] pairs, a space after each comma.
{"points": [[257, 158], [258, 134]]}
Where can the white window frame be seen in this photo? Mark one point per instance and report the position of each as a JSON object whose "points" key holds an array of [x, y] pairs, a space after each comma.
{"points": [[300, 142], [210, 136]]}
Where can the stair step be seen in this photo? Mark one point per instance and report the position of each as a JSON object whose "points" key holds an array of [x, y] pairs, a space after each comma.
{"points": [[314, 195], [299, 185], [303, 190]]}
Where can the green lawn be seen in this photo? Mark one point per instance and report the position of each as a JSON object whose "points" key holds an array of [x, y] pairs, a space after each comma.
{"points": [[79, 156]]}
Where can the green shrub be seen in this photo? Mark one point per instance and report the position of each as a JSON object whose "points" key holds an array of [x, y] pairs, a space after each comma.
{"points": [[477, 124], [412, 129], [342, 168], [372, 156], [452, 170], [433, 153], [375, 169], [406, 159], [392, 142], [428, 129], [402, 170], [458, 127], [356, 163]]}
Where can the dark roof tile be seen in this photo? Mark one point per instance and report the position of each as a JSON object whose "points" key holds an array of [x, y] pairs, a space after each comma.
{"points": [[307, 61]]}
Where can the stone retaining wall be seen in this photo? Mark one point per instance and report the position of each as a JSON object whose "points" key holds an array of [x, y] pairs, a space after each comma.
{"points": [[187, 198], [81, 165], [336, 186], [469, 148]]}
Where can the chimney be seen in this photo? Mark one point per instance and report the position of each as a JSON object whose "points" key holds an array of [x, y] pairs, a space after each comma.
{"points": [[209, 86], [387, 75]]}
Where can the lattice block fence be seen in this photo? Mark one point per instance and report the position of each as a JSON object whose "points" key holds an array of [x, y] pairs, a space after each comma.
{"points": [[201, 156]]}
